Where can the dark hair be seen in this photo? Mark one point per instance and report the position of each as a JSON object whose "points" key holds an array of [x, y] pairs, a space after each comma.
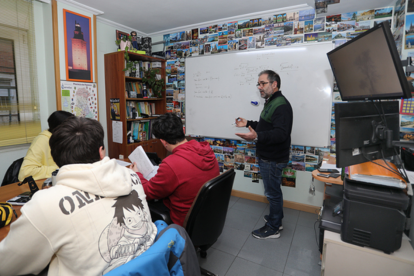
{"points": [[126, 202], [77, 141], [169, 128], [56, 118], [272, 76]]}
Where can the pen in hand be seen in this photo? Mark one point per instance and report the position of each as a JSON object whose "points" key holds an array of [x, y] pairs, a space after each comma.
{"points": [[237, 119]]}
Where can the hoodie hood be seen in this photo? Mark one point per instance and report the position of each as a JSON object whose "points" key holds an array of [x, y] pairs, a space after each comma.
{"points": [[104, 178], [46, 133], [203, 156]]}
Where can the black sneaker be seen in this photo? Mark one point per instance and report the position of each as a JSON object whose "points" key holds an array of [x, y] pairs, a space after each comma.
{"points": [[266, 217], [266, 233]]}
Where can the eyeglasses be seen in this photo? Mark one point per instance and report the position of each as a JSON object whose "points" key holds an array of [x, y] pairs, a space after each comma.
{"points": [[262, 84]]}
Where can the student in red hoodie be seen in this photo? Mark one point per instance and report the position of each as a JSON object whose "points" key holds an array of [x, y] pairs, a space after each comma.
{"points": [[181, 174]]}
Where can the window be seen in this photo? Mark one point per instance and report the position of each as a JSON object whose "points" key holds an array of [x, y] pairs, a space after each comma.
{"points": [[19, 114]]}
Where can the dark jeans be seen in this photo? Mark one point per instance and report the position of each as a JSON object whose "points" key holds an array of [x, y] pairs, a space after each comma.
{"points": [[271, 172]]}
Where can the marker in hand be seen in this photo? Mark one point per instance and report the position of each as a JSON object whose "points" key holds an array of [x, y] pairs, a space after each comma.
{"points": [[254, 103], [237, 119]]}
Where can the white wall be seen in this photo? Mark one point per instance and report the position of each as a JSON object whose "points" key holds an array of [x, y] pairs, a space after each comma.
{"points": [[106, 36]]}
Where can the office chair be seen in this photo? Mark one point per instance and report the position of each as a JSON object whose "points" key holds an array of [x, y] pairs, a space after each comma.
{"points": [[205, 219], [153, 157], [12, 172], [171, 254]]}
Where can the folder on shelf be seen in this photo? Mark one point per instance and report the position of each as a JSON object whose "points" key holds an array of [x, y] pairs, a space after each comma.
{"points": [[379, 173]]}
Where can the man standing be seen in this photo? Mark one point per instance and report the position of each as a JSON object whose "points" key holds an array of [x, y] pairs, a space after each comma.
{"points": [[181, 174], [94, 219], [272, 137]]}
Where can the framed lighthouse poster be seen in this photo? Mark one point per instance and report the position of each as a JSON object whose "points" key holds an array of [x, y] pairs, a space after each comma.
{"points": [[78, 46]]}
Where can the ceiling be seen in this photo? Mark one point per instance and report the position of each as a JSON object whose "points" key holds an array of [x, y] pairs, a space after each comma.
{"points": [[152, 17]]}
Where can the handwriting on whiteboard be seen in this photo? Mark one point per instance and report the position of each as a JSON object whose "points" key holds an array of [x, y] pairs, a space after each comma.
{"points": [[288, 66], [207, 83]]}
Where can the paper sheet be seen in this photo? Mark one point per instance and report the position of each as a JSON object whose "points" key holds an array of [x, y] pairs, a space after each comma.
{"points": [[153, 173], [117, 132], [325, 165], [123, 163], [143, 163]]}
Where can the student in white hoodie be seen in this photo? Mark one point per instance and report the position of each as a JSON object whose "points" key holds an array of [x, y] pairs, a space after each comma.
{"points": [[93, 220]]}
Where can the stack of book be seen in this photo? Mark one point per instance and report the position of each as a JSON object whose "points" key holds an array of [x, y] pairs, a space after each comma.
{"points": [[140, 131], [134, 89], [139, 107], [143, 64]]}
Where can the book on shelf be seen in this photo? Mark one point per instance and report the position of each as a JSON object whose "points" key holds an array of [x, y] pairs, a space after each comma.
{"points": [[156, 64], [146, 107], [139, 89], [134, 89], [140, 130], [137, 70], [132, 107]]}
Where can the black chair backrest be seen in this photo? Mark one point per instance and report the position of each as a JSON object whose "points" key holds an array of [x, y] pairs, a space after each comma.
{"points": [[12, 172], [205, 220], [153, 157]]}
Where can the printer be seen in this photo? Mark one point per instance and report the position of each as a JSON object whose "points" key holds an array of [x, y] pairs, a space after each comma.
{"points": [[373, 215]]}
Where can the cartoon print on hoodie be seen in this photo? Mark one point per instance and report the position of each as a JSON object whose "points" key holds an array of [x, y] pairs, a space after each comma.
{"points": [[130, 232]]}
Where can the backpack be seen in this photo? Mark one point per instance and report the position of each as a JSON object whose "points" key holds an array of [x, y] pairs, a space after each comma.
{"points": [[12, 172], [6, 213]]}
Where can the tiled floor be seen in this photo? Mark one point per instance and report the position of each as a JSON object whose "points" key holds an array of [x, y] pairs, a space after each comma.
{"points": [[237, 253]]}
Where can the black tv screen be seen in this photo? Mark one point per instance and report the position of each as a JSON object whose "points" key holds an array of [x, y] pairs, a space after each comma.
{"points": [[368, 67], [358, 131]]}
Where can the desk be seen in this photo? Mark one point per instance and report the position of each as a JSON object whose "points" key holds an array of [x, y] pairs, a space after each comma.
{"points": [[328, 181], [342, 259], [10, 191]]}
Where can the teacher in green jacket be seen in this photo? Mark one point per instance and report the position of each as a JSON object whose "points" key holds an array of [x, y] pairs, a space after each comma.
{"points": [[272, 136]]}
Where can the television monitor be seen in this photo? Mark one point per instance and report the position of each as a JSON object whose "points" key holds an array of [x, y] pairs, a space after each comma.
{"points": [[362, 130], [368, 67]]}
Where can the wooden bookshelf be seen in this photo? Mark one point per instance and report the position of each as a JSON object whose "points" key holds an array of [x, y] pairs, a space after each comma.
{"points": [[115, 87]]}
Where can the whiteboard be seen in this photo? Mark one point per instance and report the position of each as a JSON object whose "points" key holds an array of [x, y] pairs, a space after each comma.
{"points": [[221, 87]]}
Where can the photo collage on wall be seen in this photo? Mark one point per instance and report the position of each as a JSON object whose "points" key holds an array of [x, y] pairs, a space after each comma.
{"points": [[345, 27], [273, 31], [175, 87], [270, 31], [241, 155], [398, 24], [237, 155], [407, 105]]}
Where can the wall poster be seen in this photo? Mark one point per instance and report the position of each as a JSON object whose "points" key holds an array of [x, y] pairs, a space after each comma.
{"points": [[78, 46], [80, 99]]}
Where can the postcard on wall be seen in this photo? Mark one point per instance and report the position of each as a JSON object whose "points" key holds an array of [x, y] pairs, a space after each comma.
{"points": [[194, 34], [407, 106], [80, 98], [289, 177], [78, 46]]}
